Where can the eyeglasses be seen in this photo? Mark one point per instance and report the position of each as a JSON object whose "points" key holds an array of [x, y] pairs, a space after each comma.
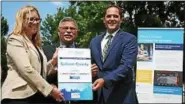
{"points": [[34, 20], [66, 28]]}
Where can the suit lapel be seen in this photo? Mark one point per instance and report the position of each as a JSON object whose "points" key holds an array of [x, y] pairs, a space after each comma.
{"points": [[30, 45], [99, 46], [114, 42]]}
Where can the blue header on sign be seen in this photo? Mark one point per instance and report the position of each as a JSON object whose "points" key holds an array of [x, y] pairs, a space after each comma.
{"points": [[160, 36]]}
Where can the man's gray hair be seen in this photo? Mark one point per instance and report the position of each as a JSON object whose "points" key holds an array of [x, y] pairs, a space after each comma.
{"points": [[68, 19]]}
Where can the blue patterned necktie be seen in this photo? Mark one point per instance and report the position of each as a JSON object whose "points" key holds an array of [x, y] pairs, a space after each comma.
{"points": [[106, 47]]}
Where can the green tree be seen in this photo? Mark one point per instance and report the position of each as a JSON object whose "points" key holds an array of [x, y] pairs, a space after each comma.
{"points": [[4, 31], [154, 13], [89, 19]]}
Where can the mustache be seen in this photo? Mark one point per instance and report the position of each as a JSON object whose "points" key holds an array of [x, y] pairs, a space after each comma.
{"points": [[68, 34]]}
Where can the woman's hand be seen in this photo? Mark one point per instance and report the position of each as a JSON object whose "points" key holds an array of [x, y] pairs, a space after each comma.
{"points": [[56, 94]]}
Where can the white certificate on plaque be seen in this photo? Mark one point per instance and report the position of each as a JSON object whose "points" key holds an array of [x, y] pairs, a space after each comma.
{"points": [[74, 73]]}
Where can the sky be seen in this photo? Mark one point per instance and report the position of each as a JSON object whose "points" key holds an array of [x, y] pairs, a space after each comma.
{"points": [[10, 8]]}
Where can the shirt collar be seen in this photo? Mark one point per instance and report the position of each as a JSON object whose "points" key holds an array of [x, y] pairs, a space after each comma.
{"points": [[62, 45], [113, 34]]}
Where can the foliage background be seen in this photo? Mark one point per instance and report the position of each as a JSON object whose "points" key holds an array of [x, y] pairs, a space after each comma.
{"points": [[89, 17]]}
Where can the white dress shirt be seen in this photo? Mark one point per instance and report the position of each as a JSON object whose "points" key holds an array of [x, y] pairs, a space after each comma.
{"points": [[62, 45], [105, 39]]}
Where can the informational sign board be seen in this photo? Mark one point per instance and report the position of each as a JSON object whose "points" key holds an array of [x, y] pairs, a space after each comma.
{"points": [[160, 65], [74, 73]]}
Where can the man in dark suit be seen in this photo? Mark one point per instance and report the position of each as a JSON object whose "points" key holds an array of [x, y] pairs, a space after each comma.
{"points": [[114, 52], [67, 32]]}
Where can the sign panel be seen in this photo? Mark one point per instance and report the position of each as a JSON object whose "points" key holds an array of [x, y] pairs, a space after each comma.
{"points": [[74, 73], [159, 65]]}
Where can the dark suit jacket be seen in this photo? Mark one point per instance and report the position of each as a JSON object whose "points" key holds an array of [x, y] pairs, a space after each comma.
{"points": [[117, 69]]}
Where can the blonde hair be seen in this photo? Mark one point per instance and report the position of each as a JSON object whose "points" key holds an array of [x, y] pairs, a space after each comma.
{"points": [[20, 23]]}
